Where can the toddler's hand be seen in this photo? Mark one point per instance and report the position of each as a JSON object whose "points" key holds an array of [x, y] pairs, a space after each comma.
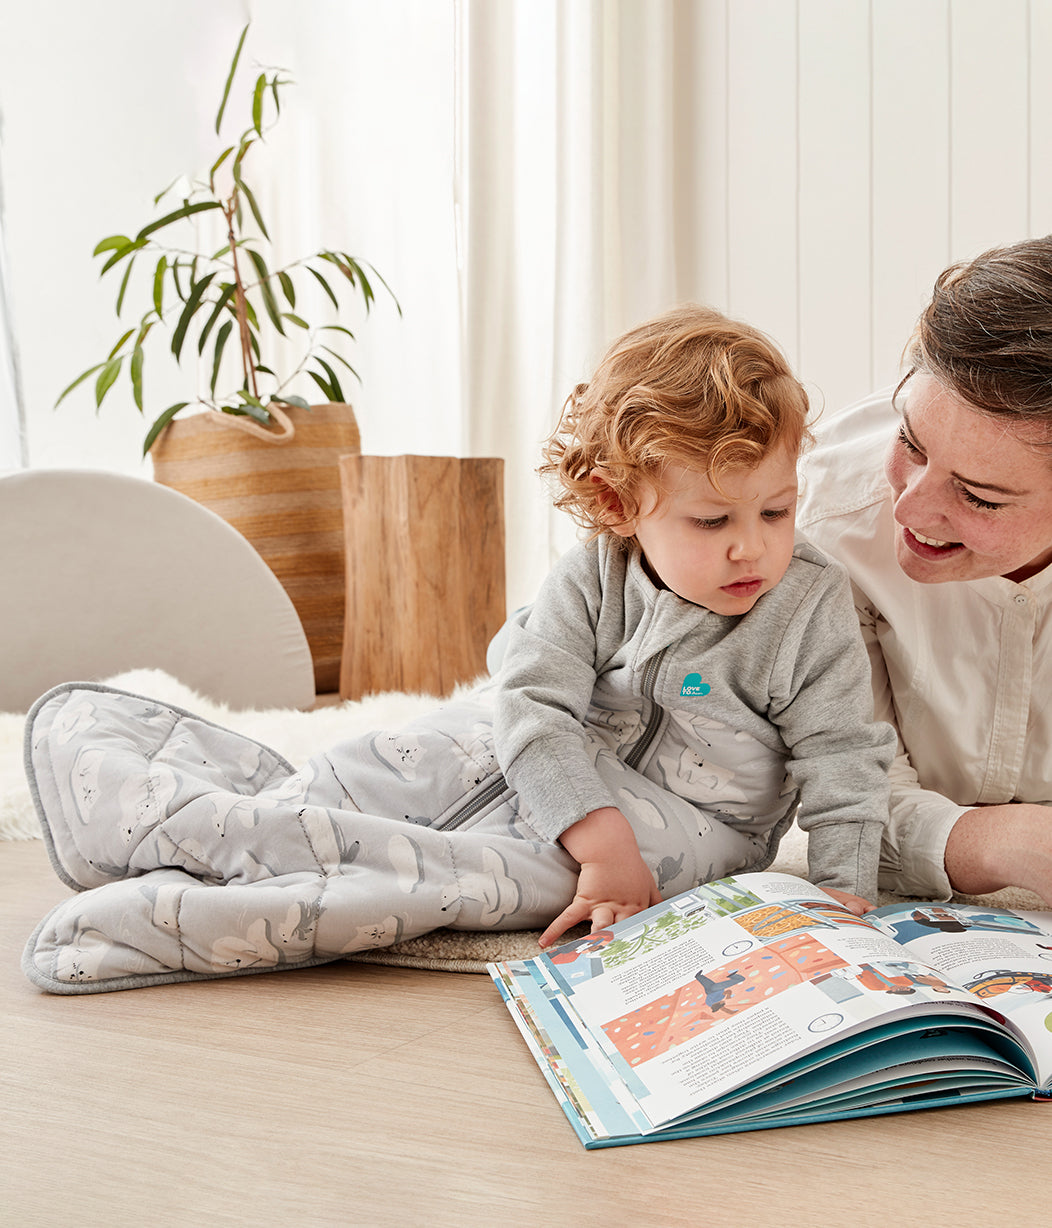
{"points": [[614, 882]]}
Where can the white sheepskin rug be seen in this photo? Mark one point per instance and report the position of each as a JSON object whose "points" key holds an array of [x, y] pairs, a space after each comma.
{"points": [[296, 735]]}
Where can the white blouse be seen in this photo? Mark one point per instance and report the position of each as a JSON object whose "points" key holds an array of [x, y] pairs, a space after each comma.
{"points": [[963, 670]]}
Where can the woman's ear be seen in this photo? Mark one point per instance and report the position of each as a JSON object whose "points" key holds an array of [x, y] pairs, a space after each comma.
{"points": [[611, 509]]}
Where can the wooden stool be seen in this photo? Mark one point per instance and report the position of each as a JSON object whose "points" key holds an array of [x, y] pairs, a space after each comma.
{"points": [[424, 554]]}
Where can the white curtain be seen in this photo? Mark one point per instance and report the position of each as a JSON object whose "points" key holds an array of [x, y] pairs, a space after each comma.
{"points": [[12, 424], [570, 135]]}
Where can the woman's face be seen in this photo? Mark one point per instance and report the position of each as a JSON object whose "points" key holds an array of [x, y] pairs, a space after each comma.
{"points": [[972, 496]]}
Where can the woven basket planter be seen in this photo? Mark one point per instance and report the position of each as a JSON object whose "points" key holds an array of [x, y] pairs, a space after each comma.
{"points": [[281, 490]]}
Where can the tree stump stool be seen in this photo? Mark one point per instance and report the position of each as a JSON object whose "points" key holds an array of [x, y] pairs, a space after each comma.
{"points": [[424, 566]]}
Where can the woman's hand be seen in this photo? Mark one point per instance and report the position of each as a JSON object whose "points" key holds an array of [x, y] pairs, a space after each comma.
{"points": [[614, 882]]}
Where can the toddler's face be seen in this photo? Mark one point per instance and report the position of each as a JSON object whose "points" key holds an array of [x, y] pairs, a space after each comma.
{"points": [[721, 550]]}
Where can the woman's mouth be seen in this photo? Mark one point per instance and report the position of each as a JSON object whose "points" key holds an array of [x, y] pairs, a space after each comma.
{"points": [[929, 547]]}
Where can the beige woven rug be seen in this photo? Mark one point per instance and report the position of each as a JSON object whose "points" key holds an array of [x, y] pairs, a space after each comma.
{"points": [[298, 735]]}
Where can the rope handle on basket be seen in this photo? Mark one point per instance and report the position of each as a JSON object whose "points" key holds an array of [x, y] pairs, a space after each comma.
{"points": [[250, 427]]}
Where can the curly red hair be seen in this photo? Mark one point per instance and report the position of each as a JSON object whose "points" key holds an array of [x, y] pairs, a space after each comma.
{"points": [[690, 388]]}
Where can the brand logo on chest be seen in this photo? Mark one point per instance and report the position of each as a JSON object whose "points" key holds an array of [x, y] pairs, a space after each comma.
{"points": [[693, 685]]}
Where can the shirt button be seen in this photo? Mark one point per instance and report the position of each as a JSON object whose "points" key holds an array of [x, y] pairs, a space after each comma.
{"points": [[1020, 599]]}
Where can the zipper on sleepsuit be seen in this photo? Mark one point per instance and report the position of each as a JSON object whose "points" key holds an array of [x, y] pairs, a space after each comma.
{"points": [[499, 785], [657, 713], [493, 790]]}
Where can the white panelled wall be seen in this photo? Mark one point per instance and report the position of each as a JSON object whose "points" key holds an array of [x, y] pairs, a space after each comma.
{"points": [[865, 144], [533, 176]]}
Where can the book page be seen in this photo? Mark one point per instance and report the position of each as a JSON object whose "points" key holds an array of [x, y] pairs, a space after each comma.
{"points": [[1001, 956], [697, 996]]}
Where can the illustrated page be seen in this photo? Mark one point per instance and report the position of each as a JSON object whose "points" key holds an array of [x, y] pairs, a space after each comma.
{"points": [[1002, 956], [703, 993]]}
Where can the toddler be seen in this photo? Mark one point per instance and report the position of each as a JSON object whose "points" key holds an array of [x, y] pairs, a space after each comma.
{"points": [[692, 643], [688, 679]]}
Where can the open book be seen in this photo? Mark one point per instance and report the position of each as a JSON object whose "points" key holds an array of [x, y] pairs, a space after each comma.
{"points": [[757, 1001]]}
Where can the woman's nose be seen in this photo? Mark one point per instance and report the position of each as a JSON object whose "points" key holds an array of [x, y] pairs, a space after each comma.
{"points": [[918, 499]]}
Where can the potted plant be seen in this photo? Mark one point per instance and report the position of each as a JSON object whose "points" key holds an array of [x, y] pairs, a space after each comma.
{"points": [[232, 307]]}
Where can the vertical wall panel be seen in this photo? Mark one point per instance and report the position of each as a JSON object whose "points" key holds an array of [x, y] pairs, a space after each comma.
{"points": [[911, 198], [701, 219], [834, 193], [1040, 151], [989, 185], [761, 167], [647, 130]]}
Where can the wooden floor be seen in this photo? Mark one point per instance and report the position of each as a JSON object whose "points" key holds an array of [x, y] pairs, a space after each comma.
{"points": [[358, 1095]]}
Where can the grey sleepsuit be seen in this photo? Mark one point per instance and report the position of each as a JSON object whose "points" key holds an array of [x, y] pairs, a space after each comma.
{"points": [[200, 853]]}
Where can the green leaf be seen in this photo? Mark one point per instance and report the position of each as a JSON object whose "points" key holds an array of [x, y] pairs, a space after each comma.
{"points": [[160, 423], [111, 244], [120, 254], [252, 406], [221, 339], [221, 302], [189, 311], [217, 164], [287, 287], [299, 402], [295, 319], [326, 389], [158, 285], [254, 207], [113, 352], [136, 375], [79, 380], [261, 415], [354, 273], [361, 271], [341, 358], [164, 191], [269, 301], [257, 103], [337, 328], [334, 382], [325, 286], [124, 284], [177, 215], [247, 142], [176, 266], [107, 376], [230, 76], [367, 290]]}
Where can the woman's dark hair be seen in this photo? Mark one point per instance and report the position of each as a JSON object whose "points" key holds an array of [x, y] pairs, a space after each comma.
{"points": [[987, 332]]}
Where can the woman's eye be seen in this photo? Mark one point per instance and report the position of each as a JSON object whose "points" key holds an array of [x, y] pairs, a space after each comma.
{"points": [[975, 501], [908, 443]]}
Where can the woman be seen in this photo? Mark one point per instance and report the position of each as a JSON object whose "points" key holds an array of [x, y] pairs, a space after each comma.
{"points": [[938, 499]]}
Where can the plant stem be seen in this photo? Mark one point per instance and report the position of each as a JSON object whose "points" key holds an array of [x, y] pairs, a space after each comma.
{"points": [[229, 208]]}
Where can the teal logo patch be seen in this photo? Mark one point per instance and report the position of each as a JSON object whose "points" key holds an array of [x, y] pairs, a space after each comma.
{"points": [[693, 685]]}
